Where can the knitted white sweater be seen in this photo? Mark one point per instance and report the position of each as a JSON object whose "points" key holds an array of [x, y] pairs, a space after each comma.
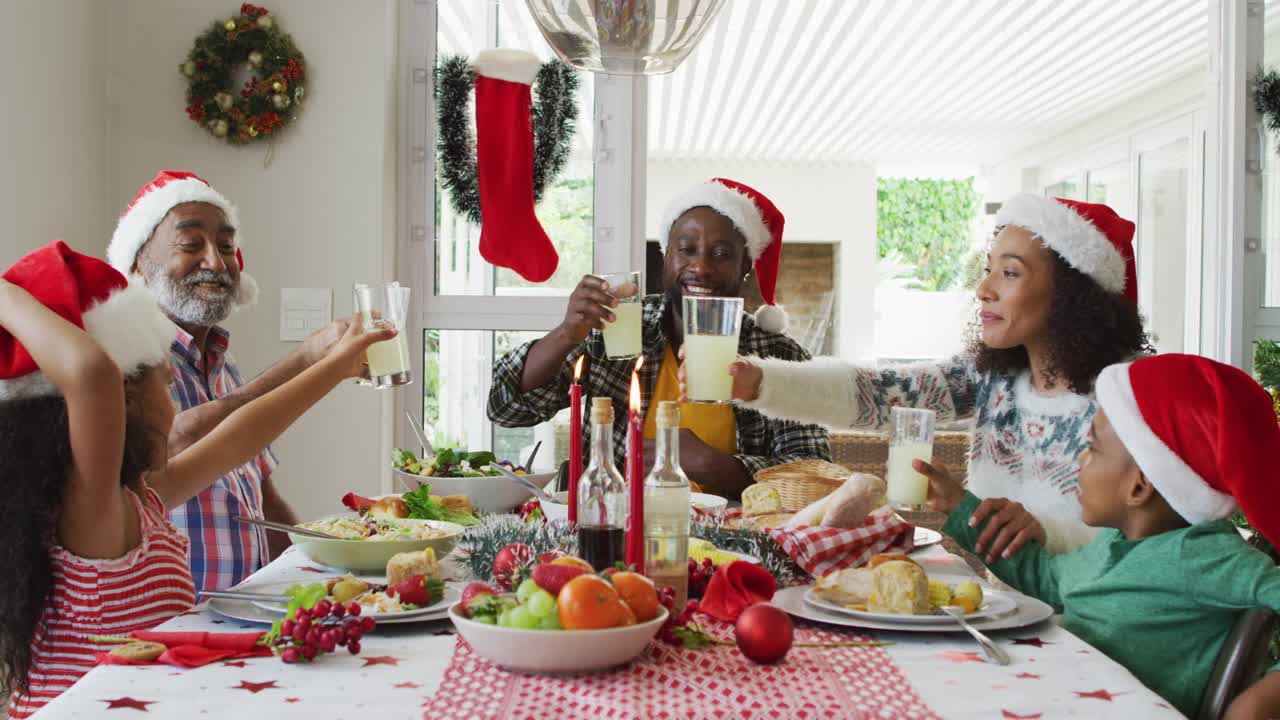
{"points": [[1025, 445]]}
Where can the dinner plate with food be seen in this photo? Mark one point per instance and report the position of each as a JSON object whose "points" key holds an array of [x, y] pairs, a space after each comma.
{"points": [[894, 593]]}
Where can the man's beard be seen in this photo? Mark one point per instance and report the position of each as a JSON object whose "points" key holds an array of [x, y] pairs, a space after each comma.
{"points": [[179, 301]]}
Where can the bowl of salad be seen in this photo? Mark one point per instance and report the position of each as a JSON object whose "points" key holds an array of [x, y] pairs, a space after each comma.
{"points": [[459, 472]]}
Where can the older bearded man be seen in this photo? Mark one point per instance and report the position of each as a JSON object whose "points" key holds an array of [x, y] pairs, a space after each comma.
{"points": [[182, 238]]}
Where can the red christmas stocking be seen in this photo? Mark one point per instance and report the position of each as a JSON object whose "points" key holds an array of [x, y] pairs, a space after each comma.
{"points": [[510, 234]]}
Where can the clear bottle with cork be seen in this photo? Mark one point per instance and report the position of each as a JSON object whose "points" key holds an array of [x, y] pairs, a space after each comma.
{"points": [[666, 509], [602, 495]]}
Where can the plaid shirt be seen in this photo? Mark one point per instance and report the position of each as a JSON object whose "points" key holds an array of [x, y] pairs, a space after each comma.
{"points": [[223, 552], [762, 442]]}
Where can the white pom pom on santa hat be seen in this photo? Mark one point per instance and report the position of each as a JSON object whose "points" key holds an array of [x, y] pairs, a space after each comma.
{"points": [[760, 222]]}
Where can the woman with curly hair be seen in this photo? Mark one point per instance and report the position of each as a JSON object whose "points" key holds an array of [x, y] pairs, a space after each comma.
{"points": [[84, 417], [1058, 305]]}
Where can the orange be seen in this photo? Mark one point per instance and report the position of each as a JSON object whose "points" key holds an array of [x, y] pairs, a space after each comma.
{"points": [[573, 562], [639, 593], [589, 602]]}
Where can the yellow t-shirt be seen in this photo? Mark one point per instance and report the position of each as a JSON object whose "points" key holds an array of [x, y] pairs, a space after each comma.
{"points": [[714, 424]]}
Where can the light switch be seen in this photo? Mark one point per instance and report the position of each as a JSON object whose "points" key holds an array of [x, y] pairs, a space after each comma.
{"points": [[303, 311]]}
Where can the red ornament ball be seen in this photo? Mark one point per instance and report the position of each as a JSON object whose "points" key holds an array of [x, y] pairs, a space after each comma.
{"points": [[764, 633], [510, 560]]}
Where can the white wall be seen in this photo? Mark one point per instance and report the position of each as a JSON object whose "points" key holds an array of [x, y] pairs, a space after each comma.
{"points": [[322, 215], [53, 126], [821, 204]]}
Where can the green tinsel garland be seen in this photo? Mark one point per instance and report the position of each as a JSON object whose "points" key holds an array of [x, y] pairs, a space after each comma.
{"points": [[480, 544], [554, 116]]}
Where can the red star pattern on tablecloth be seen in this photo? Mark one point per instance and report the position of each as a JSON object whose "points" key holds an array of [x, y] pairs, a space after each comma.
{"points": [[1098, 695], [312, 569], [234, 663], [1009, 715], [380, 660], [957, 656], [256, 688], [1033, 642], [292, 700], [1027, 676], [128, 702], [407, 684]]}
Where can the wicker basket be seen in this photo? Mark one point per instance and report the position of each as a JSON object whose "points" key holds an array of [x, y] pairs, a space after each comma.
{"points": [[803, 482]]}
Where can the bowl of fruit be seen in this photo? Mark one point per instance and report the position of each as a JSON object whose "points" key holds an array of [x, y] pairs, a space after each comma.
{"points": [[563, 618], [458, 472]]}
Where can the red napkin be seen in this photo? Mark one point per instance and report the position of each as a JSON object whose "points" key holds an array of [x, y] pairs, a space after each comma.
{"points": [[194, 649], [736, 587]]}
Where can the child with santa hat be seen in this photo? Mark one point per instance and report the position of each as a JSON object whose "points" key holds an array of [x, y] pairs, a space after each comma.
{"points": [[1178, 443], [84, 417]]}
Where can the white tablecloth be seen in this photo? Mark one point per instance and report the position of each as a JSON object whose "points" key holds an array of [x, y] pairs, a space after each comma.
{"points": [[1054, 675]]}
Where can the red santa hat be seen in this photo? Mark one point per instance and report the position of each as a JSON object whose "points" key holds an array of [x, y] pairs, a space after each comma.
{"points": [[760, 223], [153, 202], [1203, 433], [122, 317], [1091, 237]]}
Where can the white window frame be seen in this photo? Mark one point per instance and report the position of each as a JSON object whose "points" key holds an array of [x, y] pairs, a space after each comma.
{"points": [[619, 158]]}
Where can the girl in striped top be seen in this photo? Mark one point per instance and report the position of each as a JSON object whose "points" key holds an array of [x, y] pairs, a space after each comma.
{"points": [[84, 417]]}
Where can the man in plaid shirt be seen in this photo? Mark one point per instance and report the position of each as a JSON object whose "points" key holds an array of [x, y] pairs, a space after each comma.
{"points": [[182, 238], [716, 230]]}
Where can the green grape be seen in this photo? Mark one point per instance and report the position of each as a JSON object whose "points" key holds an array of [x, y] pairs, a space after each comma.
{"points": [[527, 588], [504, 617], [522, 618], [550, 622], [486, 619], [540, 604]]}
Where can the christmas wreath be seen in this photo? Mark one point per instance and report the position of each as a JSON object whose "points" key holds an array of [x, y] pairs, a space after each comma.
{"points": [[268, 101], [554, 114]]}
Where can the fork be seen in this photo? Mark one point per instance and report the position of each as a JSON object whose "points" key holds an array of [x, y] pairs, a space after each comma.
{"points": [[992, 652]]}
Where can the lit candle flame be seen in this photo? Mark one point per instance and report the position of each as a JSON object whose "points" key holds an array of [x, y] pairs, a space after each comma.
{"points": [[577, 368], [635, 385]]}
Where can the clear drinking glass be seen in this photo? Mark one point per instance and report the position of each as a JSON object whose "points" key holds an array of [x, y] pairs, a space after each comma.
{"points": [[386, 304], [622, 338], [912, 440], [711, 327]]}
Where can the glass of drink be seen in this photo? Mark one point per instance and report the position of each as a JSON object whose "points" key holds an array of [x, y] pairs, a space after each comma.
{"points": [[622, 338], [386, 304], [912, 440], [711, 326]]}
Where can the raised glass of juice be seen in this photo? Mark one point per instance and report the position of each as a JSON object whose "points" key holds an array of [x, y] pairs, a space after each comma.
{"points": [[711, 327], [622, 337], [912, 440], [386, 304]]}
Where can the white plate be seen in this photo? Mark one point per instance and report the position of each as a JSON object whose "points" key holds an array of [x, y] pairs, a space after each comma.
{"points": [[926, 537], [1029, 611], [438, 608], [994, 604]]}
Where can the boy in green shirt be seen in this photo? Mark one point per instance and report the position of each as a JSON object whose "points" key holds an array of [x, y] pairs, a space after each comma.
{"points": [[1177, 443]]}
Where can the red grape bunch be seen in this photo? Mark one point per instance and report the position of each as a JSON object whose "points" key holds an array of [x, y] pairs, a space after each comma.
{"points": [[699, 576], [321, 629]]}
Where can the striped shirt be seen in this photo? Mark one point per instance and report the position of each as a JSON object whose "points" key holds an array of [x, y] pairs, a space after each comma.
{"points": [[147, 586], [223, 551]]}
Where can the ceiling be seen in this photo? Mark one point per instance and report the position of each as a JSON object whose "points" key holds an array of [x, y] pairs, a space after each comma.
{"points": [[842, 81]]}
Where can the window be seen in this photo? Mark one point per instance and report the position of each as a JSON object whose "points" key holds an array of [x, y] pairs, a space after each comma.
{"points": [[468, 312]]}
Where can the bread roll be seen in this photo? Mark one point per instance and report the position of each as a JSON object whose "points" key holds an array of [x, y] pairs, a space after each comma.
{"points": [[392, 507], [899, 588], [853, 501], [882, 558], [457, 503], [407, 564], [760, 499], [764, 522], [851, 586]]}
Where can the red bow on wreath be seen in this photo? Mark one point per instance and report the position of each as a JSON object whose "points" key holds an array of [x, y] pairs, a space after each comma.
{"points": [[252, 10]]}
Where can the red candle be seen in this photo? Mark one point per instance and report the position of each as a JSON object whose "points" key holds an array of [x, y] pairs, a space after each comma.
{"points": [[575, 440], [635, 476]]}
